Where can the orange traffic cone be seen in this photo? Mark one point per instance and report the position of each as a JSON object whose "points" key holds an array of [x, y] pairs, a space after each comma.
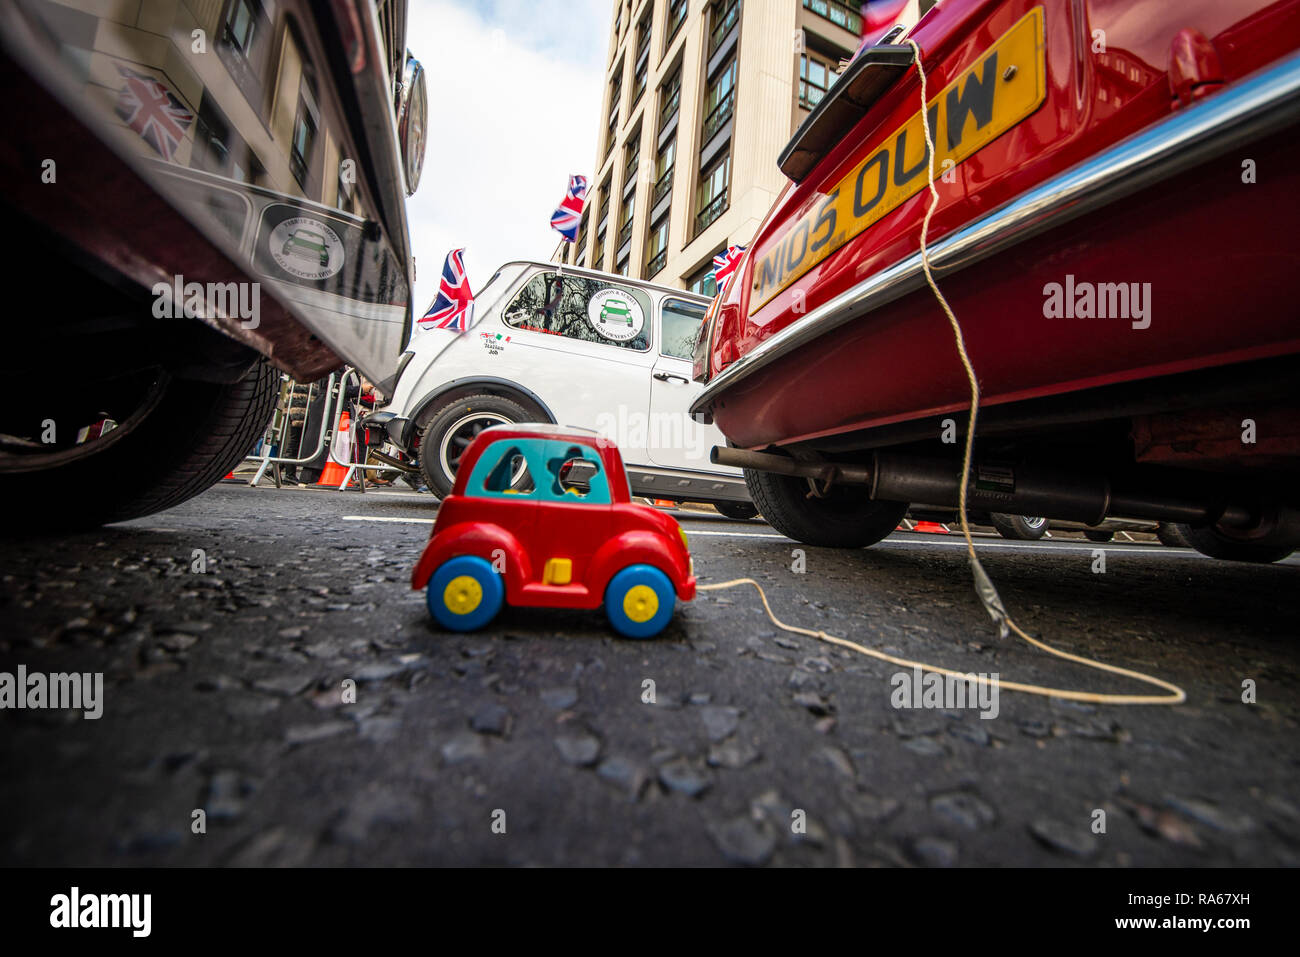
{"points": [[333, 474]]}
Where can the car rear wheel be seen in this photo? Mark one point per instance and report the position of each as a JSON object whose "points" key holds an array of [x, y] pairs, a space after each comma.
{"points": [[1021, 528], [639, 601], [842, 517], [465, 593], [1212, 542], [739, 511], [447, 435], [174, 438]]}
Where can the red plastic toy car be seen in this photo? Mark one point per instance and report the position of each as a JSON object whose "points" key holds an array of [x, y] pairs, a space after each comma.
{"points": [[541, 516]]}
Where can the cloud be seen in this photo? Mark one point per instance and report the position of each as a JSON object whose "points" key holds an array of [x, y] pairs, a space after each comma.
{"points": [[514, 98]]}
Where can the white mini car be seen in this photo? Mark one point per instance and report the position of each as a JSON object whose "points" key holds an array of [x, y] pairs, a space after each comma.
{"points": [[573, 347]]}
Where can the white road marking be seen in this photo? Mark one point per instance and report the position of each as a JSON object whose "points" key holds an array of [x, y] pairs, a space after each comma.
{"points": [[378, 518], [958, 542]]}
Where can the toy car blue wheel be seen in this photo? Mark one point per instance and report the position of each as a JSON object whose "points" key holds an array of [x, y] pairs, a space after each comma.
{"points": [[639, 601], [465, 593]]}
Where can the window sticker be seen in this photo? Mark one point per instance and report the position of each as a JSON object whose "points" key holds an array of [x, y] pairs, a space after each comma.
{"points": [[306, 248], [615, 315]]}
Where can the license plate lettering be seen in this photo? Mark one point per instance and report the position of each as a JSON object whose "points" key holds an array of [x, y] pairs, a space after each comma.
{"points": [[1000, 89]]}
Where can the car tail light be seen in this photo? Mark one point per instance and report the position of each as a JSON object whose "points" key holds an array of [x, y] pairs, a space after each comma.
{"points": [[703, 343]]}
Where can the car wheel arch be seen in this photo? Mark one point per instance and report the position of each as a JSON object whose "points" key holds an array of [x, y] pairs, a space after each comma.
{"points": [[637, 547], [481, 541], [463, 388]]}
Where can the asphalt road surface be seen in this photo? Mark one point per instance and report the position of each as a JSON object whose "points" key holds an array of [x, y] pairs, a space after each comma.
{"points": [[227, 628]]}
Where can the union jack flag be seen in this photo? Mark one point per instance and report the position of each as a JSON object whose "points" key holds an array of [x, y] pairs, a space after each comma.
{"points": [[453, 307], [152, 110], [725, 264], [568, 214]]}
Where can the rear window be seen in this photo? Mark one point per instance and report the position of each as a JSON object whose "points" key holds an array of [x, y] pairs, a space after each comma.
{"points": [[681, 326], [580, 308]]}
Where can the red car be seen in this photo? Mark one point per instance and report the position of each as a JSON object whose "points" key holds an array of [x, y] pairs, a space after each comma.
{"points": [[541, 516], [1116, 200]]}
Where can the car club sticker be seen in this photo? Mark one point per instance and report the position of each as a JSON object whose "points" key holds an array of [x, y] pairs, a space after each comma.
{"points": [[306, 248], [615, 315]]}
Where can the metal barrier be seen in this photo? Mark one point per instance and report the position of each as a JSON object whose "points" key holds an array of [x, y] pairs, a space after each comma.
{"points": [[279, 431]]}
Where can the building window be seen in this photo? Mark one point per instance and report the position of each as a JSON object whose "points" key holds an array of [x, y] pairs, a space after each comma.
{"points": [[625, 219], [642, 68], [605, 190], [676, 17], [664, 163], [631, 158], [212, 141], [670, 98], [719, 101], [581, 244], [557, 305], [598, 251], [711, 201], [656, 249], [837, 12], [816, 76], [241, 23], [622, 267], [615, 96], [702, 282], [304, 138], [723, 16], [681, 325]]}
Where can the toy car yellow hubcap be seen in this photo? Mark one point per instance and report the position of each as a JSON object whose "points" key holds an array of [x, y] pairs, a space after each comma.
{"points": [[462, 595], [640, 603]]}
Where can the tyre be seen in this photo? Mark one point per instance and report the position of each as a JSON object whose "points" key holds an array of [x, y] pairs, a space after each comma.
{"points": [[175, 438], [639, 601], [1098, 535], [740, 511], [843, 518], [1021, 528], [1169, 535], [1210, 541], [465, 593], [446, 436]]}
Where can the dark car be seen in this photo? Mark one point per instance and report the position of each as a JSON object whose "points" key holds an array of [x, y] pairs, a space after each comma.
{"points": [[197, 196]]}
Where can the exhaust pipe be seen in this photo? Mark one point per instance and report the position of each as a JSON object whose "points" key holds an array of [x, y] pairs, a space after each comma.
{"points": [[1080, 495]]}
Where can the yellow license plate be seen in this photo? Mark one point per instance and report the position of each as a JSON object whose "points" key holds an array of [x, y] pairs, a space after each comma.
{"points": [[1003, 87]]}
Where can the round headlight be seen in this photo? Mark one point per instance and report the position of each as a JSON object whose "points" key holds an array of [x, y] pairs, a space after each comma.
{"points": [[412, 119]]}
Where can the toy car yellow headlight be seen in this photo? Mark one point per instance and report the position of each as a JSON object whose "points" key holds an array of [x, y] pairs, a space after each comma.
{"points": [[685, 544]]}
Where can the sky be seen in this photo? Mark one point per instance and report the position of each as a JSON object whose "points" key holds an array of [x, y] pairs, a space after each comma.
{"points": [[515, 89]]}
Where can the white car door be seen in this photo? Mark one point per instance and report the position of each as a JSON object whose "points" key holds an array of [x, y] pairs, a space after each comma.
{"points": [[585, 348], [676, 440]]}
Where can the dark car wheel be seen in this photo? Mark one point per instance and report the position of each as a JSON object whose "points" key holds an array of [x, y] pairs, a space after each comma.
{"points": [[843, 518], [1100, 536], [178, 438], [1169, 535], [447, 435], [1020, 528], [1210, 541], [740, 511]]}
